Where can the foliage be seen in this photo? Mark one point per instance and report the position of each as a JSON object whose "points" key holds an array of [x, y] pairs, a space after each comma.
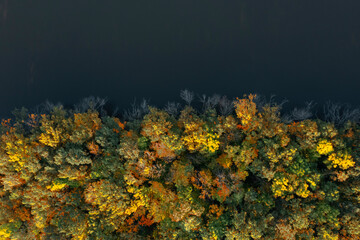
{"points": [[246, 175]]}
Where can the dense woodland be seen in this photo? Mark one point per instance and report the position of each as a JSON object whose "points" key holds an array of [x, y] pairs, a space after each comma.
{"points": [[240, 173]]}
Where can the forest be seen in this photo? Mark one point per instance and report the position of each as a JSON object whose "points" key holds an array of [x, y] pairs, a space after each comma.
{"points": [[238, 169]]}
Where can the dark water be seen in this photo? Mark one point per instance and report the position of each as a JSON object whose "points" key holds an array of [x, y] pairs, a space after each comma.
{"points": [[67, 50]]}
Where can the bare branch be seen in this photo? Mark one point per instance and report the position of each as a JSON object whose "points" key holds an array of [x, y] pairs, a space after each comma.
{"points": [[172, 108], [299, 114], [115, 112], [303, 113], [144, 107], [261, 102], [202, 98], [209, 102], [92, 103], [226, 106], [340, 113], [214, 100], [136, 112], [187, 96], [46, 107]]}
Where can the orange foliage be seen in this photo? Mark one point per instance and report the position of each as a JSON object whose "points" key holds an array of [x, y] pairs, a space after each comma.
{"points": [[349, 134], [162, 150], [203, 181], [246, 112], [222, 190], [6, 123], [93, 148], [145, 221], [132, 227], [179, 174], [32, 120], [224, 161], [121, 125], [11, 181], [215, 209], [86, 124], [23, 213]]}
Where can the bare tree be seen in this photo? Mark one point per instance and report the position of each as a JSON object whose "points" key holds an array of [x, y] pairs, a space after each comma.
{"points": [[339, 114], [226, 106], [299, 114], [209, 102], [46, 107], [172, 108], [202, 99], [303, 113], [213, 101], [91, 103], [115, 112], [187, 96], [261, 102], [137, 112], [287, 118]]}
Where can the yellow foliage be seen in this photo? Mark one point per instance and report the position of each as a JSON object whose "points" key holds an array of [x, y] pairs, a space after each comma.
{"points": [[82, 236], [326, 235], [51, 137], [54, 130], [212, 142], [311, 182], [191, 223], [110, 200], [245, 109], [343, 160], [281, 185], [286, 155], [5, 233], [172, 141], [155, 124], [40, 220], [17, 151], [324, 147], [139, 201], [56, 186], [144, 166], [140, 198], [214, 236], [302, 191], [197, 139]]}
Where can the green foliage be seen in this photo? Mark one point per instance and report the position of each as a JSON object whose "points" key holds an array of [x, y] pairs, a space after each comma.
{"points": [[248, 176], [72, 184], [143, 143]]}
